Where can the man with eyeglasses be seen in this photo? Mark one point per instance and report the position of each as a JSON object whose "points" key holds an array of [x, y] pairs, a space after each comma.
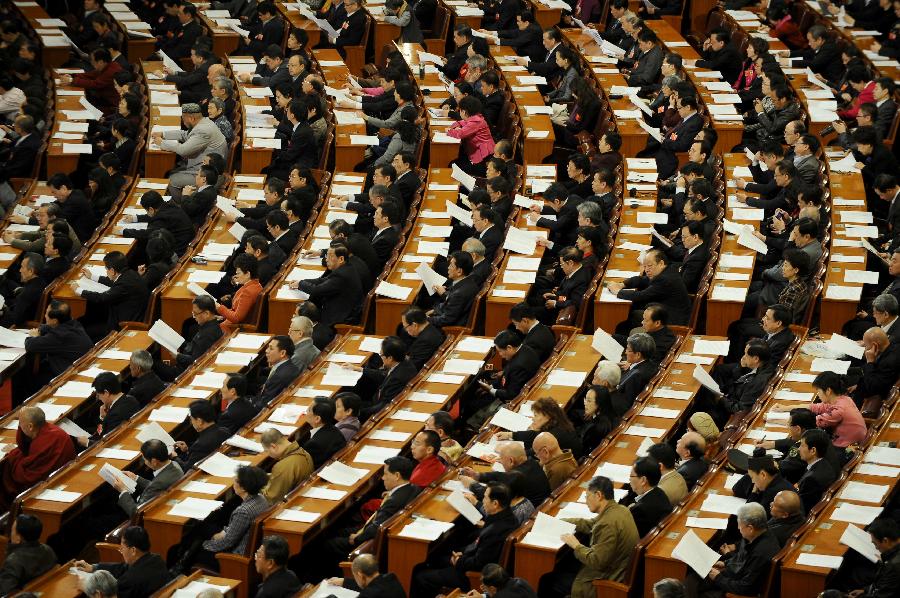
{"points": [[427, 338], [270, 561], [203, 310], [142, 571], [304, 350]]}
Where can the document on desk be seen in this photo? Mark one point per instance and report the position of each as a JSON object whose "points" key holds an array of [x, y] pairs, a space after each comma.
{"points": [[824, 364], [693, 552], [547, 531], [860, 276], [445, 378], [113, 474], [864, 492], [326, 590], [722, 503], [709, 347], [209, 380], [669, 393], [861, 542], [707, 522], [860, 514], [826, 561], [118, 454], [703, 377], [58, 496], [341, 474], [72, 429], [660, 412], [336, 375], [566, 378], [510, 420], [462, 366], [520, 241], [153, 431], [375, 455], [166, 336], [195, 508], [841, 345], [636, 430], [429, 277], [615, 472], [247, 444], [458, 501], [204, 488], [475, 344], [324, 493], [220, 465], [238, 358], [423, 528], [73, 388]]}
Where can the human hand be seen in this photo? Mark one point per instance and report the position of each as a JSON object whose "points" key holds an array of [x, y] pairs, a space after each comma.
{"points": [[84, 566], [570, 540]]}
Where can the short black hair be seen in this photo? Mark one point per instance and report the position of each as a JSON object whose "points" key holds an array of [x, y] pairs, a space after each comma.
{"points": [[203, 410], [252, 479], [648, 467], [664, 453], [237, 382], [29, 527], [781, 313], [324, 410], [107, 382], [284, 343], [247, 264], [136, 537], [402, 466], [155, 449], [507, 338], [276, 549], [394, 348], [350, 401], [816, 439], [463, 261], [500, 493]]}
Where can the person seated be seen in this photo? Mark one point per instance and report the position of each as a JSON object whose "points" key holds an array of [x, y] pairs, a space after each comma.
{"points": [[60, 341], [125, 300], [613, 536], [872, 158], [739, 388], [772, 121], [671, 482], [389, 380], [648, 503], [161, 215], [98, 83], [661, 283], [598, 419], [199, 199], [73, 205], [271, 565], [547, 416], [429, 577], [426, 337], [744, 570], [558, 464], [785, 515], [719, 54], [201, 138], [268, 29], [535, 335], [521, 364], [424, 449], [679, 139], [385, 236], [210, 436], [691, 448], [292, 466], [325, 439], [305, 352], [368, 580], [885, 534], [142, 572], [442, 424], [26, 557], [237, 407], [184, 34], [23, 301], [795, 269], [347, 406], [639, 368], [280, 373], [819, 474], [454, 300], [116, 407], [655, 323], [762, 482], [208, 332], [244, 300], [155, 456], [835, 411], [648, 67], [881, 367], [145, 385], [475, 136], [571, 288], [513, 458], [339, 294]]}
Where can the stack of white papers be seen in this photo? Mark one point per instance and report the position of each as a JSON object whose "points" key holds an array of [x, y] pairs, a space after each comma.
{"points": [[720, 503], [856, 513], [342, 475], [336, 375], [510, 420], [547, 531], [220, 465], [694, 552], [195, 508], [423, 528], [375, 455]]}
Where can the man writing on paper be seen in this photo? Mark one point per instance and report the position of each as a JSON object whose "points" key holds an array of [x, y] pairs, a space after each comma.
{"points": [[166, 472], [210, 436], [41, 448], [613, 536]]}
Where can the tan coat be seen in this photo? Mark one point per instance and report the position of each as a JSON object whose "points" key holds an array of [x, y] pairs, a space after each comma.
{"points": [[674, 486], [559, 468], [294, 466], [613, 538]]}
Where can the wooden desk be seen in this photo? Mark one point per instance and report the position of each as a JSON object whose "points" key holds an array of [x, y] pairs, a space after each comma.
{"points": [[58, 582], [158, 162], [254, 156], [54, 49], [198, 576]]}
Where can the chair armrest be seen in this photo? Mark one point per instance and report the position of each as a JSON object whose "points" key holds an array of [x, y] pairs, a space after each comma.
{"points": [[606, 588], [109, 552], [134, 325]]}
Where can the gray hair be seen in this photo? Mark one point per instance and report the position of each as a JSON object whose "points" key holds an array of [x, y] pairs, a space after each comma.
{"points": [[303, 325], [210, 593], [590, 210], [226, 84], [753, 514], [142, 360], [512, 448], [668, 588], [671, 81], [101, 582], [886, 304], [477, 62], [642, 343], [379, 191], [473, 245], [218, 104], [609, 372]]}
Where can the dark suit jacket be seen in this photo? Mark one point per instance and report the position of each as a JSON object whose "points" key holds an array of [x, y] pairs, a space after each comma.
{"points": [[170, 216], [184, 38], [664, 339], [535, 486], [647, 68], [383, 243], [692, 470], [398, 499], [148, 574], [126, 299], [425, 345], [692, 267], [517, 371], [121, 411], [880, 375], [280, 379], [457, 301], [492, 238], [884, 117], [271, 31], [541, 340], [362, 248], [325, 443], [353, 30], [405, 187], [547, 66], [747, 389], [282, 582], [572, 288], [780, 343], [337, 296], [825, 61], [23, 563], [150, 489], [300, 149], [199, 204], [59, 347], [815, 482], [744, 488], [23, 307], [237, 414], [667, 288], [487, 547], [632, 383], [527, 42], [392, 383], [193, 85], [76, 210], [145, 388], [482, 271], [22, 157], [205, 337], [385, 585], [455, 61], [650, 510], [207, 441], [727, 61]]}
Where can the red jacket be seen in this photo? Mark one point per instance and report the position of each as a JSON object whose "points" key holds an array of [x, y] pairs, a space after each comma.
{"points": [[427, 471], [476, 137], [99, 86], [34, 459], [241, 304], [866, 96], [787, 31]]}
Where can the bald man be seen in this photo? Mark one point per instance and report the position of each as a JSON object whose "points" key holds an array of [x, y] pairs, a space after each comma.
{"points": [[786, 515], [558, 464], [881, 367], [41, 448], [691, 447], [513, 457], [369, 581]]}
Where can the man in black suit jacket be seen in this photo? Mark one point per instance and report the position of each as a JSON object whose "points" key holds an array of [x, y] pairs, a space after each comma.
{"points": [[338, 295], [197, 202], [743, 385], [60, 341], [203, 310], [776, 325], [19, 160], [116, 407], [282, 371], [544, 64], [386, 236], [696, 255], [768, 482], [881, 367], [126, 299], [492, 99], [22, 301], [237, 407], [271, 564], [455, 301], [639, 351], [820, 474], [142, 573], [822, 56], [720, 55], [649, 65], [489, 230], [210, 436], [353, 29], [193, 86], [389, 380], [184, 36], [535, 485], [559, 215], [654, 322], [74, 206], [325, 439], [369, 581], [162, 215], [535, 335], [426, 337], [145, 384], [886, 108], [678, 139], [875, 158], [300, 149], [647, 502], [407, 183], [524, 37], [571, 288], [661, 283], [269, 30], [462, 38], [522, 363]]}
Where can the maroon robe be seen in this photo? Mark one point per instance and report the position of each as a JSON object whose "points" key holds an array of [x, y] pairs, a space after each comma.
{"points": [[34, 459]]}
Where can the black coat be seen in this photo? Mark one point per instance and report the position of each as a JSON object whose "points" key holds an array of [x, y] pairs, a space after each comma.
{"points": [[23, 563], [23, 307], [727, 61], [455, 61], [541, 340], [454, 309], [338, 295], [140, 579], [425, 345], [692, 267], [489, 544], [237, 414], [650, 510], [21, 159], [126, 299], [664, 339], [814, 482], [385, 585], [632, 383], [666, 288], [145, 388], [120, 412], [207, 441], [193, 84], [572, 288], [516, 373], [282, 582], [398, 499], [744, 488], [546, 67], [352, 31], [362, 248], [527, 42], [825, 61], [535, 486], [171, 217], [199, 204], [780, 343], [492, 238], [300, 149], [383, 243], [324, 444], [205, 337], [692, 470], [281, 378], [747, 389], [390, 384], [76, 210], [405, 187], [59, 347]]}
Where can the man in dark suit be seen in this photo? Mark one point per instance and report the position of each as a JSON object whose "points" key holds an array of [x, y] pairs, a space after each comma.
{"points": [[198, 201], [691, 447], [761, 482], [210, 436], [178, 44], [22, 301], [369, 581], [696, 254], [881, 367], [524, 37], [647, 502], [720, 55], [124, 301], [559, 215], [193, 86], [407, 183], [353, 28], [572, 287], [535, 485], [389, 380], [454, 301], [18, 160], [680, 138], [639, 351], [522, 363], [203, 310], [535, 335], [162, 215], [282, 372], [545, 65], [74, 206], [60, 341], [648, 66], [279, 228], [885, 186], [427, 338], [301, 149], [395, 477], [142, 573], [145, 384], [492, 99], [115, 409], [26, 557], [386, 236], [776, 324], [886, 108], [338, 295], [654, 322], [272, 72], [271, 564], [237, 407], [822, 56], [872, 157], [166, 472], [325, 439], [462, 38], [743, 384], [489, 230], [820, 474], [268, 31], [661, 283]]}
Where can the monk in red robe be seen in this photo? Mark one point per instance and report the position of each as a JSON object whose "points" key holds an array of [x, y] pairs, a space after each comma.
{"points": [[41, 449]]}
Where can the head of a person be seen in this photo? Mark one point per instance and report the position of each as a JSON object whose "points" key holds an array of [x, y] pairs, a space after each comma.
{"points": [[425, 444], [665, 455], [752, 521], [813, 445], [645, 475], [776, 318], [459, 265], [203, 309], [639, 347], [512, 454], [414, 321], [786, 504], [201, 414], [155, 454], [364, 567], [26, 528], [545, 447], [756, 354], [441, 423], [606, 375], [100, 584], [796, 264], [279, 349], [507, 343], [274, 443], [397, 471], [829, 386], [691, 445], [320, 413], [107, 387], [885, 533], [271, 555], [249, 481], [135, 543]]}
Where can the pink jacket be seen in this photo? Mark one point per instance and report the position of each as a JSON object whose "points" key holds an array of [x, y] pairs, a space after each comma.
{"points": [[476, 137], [843, 419], [865, 96]]}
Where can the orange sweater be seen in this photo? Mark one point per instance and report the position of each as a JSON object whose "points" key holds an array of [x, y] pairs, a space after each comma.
{"points": [[241, 304]]}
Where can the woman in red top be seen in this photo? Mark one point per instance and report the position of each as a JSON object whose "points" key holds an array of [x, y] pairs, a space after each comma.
{"points": [[784, 28], [245, 267], [755, 48], [475, 134], [859, 79]]}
